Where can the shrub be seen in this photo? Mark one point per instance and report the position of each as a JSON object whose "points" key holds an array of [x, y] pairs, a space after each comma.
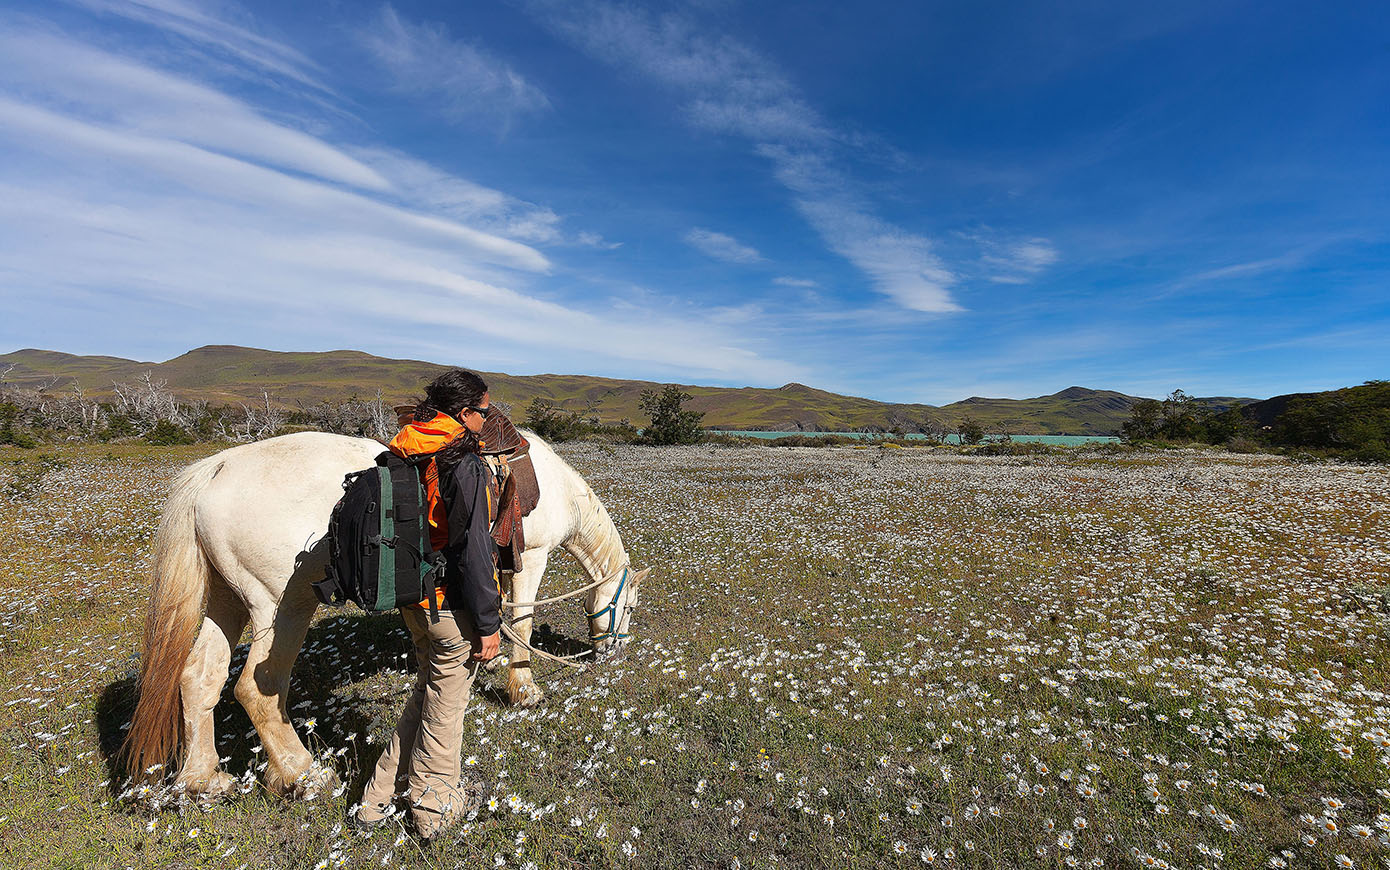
{"points": [[671, 423], [814, 441], [29, 476], [971, 431], [1244, 444], [1371, 451], [166, 434], [554, 424], [1015, 448]]}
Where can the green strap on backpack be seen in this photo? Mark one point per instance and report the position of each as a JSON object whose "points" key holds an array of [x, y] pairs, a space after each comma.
{"points": [[380, 556]]}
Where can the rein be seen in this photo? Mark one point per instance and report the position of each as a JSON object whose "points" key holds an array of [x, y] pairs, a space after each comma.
{"points": [[611, 610]]}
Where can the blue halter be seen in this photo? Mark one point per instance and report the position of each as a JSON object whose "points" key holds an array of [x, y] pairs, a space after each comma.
{"points": [[612, 611]]}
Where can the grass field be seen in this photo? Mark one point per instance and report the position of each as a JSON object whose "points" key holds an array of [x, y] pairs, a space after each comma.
{"points": [[844, 658]]}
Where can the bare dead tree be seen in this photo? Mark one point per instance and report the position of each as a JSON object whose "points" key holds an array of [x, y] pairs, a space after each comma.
{"points": [[260, 421], [382, 418]]}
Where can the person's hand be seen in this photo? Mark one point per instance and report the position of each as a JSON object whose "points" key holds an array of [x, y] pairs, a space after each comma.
{"points": [[487, 648]]}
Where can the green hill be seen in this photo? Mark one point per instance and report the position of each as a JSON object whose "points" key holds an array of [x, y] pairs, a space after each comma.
{"points": [[229, 375]]}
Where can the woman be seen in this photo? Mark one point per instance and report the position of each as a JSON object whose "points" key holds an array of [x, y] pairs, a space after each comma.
{"points": [[421, 764]]}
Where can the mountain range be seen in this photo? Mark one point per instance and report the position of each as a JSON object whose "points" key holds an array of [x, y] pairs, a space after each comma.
{"points": [[231, 375]]}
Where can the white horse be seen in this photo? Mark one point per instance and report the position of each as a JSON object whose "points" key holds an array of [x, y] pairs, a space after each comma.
{"points": [[242, 539]]}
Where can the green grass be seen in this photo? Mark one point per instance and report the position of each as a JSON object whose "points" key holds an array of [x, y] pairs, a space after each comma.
{"points": [[838, 653]]}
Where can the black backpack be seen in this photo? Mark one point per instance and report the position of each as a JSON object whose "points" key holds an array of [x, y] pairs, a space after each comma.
{"points": [[380, 556]]}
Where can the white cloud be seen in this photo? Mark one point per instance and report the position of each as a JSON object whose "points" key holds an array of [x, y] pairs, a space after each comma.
{"points": [[900, 264], [1015, 261], [594, 240], [138, 97], [465, 81], [1253, 267], [238, 41], [127, 216], [789, 281], [721, 246], [217, 175], [733, 89]]}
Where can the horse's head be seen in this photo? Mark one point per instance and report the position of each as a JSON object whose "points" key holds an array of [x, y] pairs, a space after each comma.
{"points": [[610, 611]]}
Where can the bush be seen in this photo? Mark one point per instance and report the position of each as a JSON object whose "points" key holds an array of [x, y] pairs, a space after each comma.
{"points": [[1371, 451], [1244, 444], [1015, 448], [814, 441], [670, 422], [971, 431], [10, 433], [554, 424], [165, 434]]}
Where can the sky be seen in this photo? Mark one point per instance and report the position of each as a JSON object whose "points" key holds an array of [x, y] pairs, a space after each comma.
{"points": [[913, 202]]}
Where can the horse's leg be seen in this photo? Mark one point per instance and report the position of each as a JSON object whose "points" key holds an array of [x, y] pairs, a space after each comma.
{"points": [[201, 687], [277, 635], [521, 686]]}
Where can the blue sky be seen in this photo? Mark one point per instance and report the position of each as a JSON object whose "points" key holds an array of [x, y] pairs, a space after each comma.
{"points": [[907, 201]]}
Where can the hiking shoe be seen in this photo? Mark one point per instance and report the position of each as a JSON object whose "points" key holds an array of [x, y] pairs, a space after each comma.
{"points": [[369, 818], [474, 792], [469, 796]]}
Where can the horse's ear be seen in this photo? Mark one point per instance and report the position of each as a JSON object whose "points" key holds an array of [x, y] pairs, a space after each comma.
{"points": [[640, 576]]}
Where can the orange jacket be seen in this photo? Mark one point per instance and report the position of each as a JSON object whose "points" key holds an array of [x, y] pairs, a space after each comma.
{"points": [[415, 439]]}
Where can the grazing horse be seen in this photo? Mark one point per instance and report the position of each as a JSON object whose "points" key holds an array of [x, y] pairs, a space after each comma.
{"points": [[242, 540]]}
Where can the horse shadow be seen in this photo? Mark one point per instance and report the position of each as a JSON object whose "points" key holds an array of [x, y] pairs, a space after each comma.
{"points": [[352, 677]]}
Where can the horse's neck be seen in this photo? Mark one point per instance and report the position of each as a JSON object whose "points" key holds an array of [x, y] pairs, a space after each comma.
{"points": [[595, 541]]}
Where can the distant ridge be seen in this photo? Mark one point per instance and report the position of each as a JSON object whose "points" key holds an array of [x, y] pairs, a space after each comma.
{"points": [[229, 375]]}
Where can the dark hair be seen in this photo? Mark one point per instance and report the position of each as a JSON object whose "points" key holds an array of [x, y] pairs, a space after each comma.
{"points": [[450, 393]]}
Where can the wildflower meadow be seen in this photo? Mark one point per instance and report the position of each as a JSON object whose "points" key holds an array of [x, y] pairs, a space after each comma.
{"points": [[842, 658]]}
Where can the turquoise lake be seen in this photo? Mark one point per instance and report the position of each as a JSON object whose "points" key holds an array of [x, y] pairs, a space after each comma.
{"points": [[1061, 440]]}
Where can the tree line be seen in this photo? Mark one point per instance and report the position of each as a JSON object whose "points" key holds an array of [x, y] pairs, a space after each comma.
{"points": [[1350, 423], [149, 411], [668, 421]]}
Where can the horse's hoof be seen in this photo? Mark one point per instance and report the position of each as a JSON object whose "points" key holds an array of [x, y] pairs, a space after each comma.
{"points": [[306, 786], [211, 789], [610, 651], [524, 694]]}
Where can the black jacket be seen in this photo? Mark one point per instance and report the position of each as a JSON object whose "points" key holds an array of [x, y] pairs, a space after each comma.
{"points": [[470, 578]]}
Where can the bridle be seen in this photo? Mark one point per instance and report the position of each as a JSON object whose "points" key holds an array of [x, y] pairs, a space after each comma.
{"points": [[611, 610]]}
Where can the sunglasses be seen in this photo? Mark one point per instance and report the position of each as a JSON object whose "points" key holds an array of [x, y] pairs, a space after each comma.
{"points": [[481, 412]]}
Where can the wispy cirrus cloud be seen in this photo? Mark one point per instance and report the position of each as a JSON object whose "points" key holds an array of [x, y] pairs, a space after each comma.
{"points": [[463, 80], [133, 96], [790, 281], [721, 246], [1015, 261], [730, 88], [219, 31], [143, 201], [902, 265]]}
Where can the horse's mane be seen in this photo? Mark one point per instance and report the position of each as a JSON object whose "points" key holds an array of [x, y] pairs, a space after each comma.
{"points": [[595, 534]]}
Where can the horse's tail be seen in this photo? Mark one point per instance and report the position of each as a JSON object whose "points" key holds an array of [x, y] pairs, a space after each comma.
{"points": [[179, 576]]}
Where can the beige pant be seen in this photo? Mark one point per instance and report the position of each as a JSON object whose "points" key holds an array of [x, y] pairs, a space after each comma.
{"points": [[422, 762]]}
